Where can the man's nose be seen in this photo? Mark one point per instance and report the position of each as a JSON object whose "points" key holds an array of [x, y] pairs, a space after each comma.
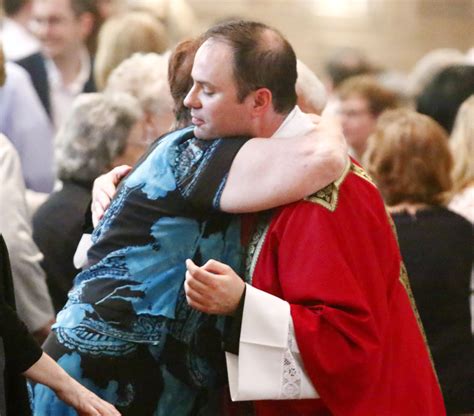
{"points": [[191, 100]]}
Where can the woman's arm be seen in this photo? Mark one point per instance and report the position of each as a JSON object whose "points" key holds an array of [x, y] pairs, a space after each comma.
{"points": [[270, 172], [266, 172]]}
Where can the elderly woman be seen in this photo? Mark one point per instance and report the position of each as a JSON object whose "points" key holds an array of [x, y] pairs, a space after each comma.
{"points": [[145, 77], [409, 158], [102, 131]]}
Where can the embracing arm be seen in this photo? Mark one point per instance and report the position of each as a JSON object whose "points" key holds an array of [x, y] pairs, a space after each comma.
{"points": [[270, 172], [265, 173]]}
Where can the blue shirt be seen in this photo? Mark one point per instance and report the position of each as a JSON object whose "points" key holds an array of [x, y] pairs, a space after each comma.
{"points": [[164, 212]]}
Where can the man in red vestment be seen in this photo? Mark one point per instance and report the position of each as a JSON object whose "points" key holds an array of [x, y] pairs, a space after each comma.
{"points": [[325, 272]]}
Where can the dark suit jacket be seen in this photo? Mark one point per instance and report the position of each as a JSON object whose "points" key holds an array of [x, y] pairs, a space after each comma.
{"points": [[36, 67], [20, 349]]}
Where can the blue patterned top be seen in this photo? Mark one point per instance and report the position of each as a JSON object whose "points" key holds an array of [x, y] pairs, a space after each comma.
{"points": [[165, 211]]}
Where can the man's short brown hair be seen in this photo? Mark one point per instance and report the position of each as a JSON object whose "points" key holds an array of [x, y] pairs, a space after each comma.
{"points": [[378, 97], [263, 58], [409, 158]]}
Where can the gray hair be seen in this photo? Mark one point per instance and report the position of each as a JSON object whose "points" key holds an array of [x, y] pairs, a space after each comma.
{"points": [[94, 134], [145, 77]]}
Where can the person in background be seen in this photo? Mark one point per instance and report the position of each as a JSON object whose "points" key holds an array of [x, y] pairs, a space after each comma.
{"points": [[362, 100], [177, 16], [409, 159], [25, 123], [461, 143], [145, 77], [18, 41], [101, 132], [442, 97], [63, 68], [312, 95], [33, 300], [430, 65], [21, 356], [123, 35]]}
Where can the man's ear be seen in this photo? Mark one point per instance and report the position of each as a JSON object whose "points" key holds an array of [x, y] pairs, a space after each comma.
{"points": [[87, 22], [262, 100]]}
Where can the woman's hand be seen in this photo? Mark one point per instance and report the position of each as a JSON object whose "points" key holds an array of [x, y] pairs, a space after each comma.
{"points": [[104, 190]]}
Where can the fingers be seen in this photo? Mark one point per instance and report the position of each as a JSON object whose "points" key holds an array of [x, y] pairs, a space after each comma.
{"points": [[120, 172], [104, 190], [217, 267], [198, 273]]}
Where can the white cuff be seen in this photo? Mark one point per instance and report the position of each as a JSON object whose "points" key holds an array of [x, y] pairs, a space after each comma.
{"points": [[257, 373]]}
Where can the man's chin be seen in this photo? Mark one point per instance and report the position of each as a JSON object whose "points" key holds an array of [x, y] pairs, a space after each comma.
{"points": [[201, 133]]}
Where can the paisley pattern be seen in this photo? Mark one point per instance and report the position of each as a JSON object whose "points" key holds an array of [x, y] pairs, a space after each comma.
{"points": [[130, 302]]}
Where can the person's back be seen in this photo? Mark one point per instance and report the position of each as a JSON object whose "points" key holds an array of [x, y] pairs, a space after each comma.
{"points": [[436, 245], [57, 230]]}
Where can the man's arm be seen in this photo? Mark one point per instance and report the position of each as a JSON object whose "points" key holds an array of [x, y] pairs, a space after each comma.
{"points": [[255, 372]]}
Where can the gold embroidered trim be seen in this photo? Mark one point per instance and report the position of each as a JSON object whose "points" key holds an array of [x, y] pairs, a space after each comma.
{"points": [[361, 173], [255, 246], [329, 195]]}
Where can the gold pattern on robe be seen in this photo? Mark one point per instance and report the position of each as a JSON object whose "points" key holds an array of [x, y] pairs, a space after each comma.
{"points": [[328, 196], [362, 173]]}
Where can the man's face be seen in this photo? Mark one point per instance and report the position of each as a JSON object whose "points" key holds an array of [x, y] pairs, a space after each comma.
{"points": [[357, 121], [215, 108], [58, 29]]}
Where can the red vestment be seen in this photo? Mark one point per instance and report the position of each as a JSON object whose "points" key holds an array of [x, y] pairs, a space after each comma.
{"points": [[334, 257]]}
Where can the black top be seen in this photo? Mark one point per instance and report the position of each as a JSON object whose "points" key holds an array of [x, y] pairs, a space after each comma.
{"points": [[437, 248], [57, 230], [21, 350]]}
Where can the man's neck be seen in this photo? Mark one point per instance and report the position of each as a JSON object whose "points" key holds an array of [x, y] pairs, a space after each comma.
{"points": [[269, 124], [68, 66]]}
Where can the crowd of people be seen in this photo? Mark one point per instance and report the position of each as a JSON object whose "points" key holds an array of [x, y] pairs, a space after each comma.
{"points": [[197, 224]]}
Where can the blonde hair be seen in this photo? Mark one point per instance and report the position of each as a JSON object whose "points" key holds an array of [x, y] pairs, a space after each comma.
{"points": [[145, 77], [462, 146], [122, 36], [408, 156]]}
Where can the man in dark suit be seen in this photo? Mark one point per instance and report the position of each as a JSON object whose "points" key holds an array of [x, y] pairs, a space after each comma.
{"points": [[63, 68]]}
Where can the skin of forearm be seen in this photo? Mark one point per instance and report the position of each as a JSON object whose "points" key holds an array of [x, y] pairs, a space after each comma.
{"points": [[46, 371], [265, 175]]}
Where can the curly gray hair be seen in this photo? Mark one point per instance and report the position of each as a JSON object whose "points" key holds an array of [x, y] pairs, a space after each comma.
{"points": [[144, 76], [95, 133]]}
